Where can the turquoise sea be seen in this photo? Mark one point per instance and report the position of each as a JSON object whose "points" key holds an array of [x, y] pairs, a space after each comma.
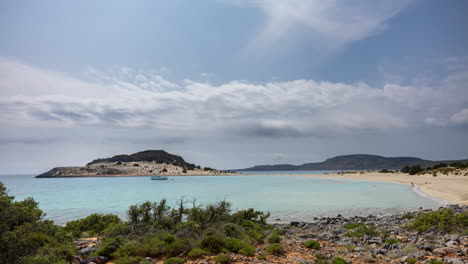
{"points": [[286, 197]]}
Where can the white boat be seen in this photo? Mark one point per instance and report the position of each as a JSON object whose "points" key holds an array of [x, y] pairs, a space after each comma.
{"points": [[159, 178]]}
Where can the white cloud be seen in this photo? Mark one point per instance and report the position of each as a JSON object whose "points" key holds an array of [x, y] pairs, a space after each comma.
{"points": [[301, 108], [461, 117], [331, 23]]}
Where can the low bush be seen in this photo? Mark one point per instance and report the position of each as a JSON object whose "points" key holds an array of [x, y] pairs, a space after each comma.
{"points": [[212, 244], [353, 225], [196, 253], [320, 256], [274, 238], [312, 244], [262, 257], [392, 241], [361, 231], [444, 219], [222, 259], [93, 224], [234, 244], [338, 260], [174, 260], [411, 261], [275, 249], [109, 246], [248, 251], [128, 260]]}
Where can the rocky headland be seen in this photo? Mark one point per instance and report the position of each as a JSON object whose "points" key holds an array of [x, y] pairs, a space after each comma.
{"points": [[145, 163]]}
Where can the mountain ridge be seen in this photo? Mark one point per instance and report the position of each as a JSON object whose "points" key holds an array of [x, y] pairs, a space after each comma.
{"points": [[353, 162]]}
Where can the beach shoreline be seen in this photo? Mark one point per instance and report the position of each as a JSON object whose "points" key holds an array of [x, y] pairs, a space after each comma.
{"points": [[446, 189]]}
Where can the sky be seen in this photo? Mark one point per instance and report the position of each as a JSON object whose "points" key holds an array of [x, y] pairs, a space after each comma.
{"points": [[231, 83]]}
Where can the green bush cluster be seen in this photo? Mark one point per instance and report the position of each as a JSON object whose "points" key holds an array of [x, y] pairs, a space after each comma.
{"points": [[275, 249], [93, 225], [444, 219], [153, 229], [362, 230], [26, 238], [312, 244]]}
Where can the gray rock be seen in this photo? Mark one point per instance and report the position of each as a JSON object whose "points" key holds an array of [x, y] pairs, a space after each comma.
{"points": [[87, 251], [454, 261], [374, 240], [95, 260], [417, 254], [452, 243]]}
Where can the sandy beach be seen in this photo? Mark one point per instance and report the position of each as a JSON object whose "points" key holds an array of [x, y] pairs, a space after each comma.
{"points": [[450, 188]]}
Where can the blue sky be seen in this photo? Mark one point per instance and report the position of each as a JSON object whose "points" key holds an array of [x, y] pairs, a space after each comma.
{"points": [[232, 83]]}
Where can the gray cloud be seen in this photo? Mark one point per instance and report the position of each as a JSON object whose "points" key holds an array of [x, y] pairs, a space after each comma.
{"points": [[277, 109]]}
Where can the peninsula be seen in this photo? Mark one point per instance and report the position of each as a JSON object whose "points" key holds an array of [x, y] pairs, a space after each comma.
{"points": [[144, 163], [354, 162]]}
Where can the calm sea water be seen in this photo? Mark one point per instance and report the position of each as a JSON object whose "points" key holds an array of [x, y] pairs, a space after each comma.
{"points": [[286, 197]]}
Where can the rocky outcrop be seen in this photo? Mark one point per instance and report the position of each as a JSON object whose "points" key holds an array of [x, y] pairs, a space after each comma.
{"points": [[143, 163]]}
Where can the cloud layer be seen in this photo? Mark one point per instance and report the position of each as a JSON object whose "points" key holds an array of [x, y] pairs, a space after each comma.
{"points": [[301, 108]]}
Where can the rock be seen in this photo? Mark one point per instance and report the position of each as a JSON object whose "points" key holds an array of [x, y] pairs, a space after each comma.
{"points": [[150, 259], [403, 259], [452, 243], [76, 260], [95, 260], [454, 261], [443, 251], [294, 223], [374, 240], [417, 254], [88, 251], [427, 247]]}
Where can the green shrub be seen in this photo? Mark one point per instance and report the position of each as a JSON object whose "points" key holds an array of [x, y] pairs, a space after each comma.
{"points": [[152, 247], [262, 257], [392, 241], [26, 238], [312, 244], [177, 247], [196, 253], [361, 231], [338, 260], [212, 244], [411, 261], [274, 238], [320, 256], [116, 229], [93, 224], [109, 246], [409, 248], [353, 225], [127, 249], [234, 244], [222, 259], [248, 251], [232, 230], [444, 219], [174, 260], [256, 235], [275, 249], [128, 260]]}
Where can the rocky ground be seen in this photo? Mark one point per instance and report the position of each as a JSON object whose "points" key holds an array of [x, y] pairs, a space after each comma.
{"points": [[393, 244]]}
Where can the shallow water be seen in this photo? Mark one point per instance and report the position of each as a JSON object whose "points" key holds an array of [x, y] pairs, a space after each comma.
{"points": [[286, 197]]}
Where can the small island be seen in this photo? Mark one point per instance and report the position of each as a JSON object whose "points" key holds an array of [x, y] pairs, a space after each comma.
{"points": [[144, 163]]}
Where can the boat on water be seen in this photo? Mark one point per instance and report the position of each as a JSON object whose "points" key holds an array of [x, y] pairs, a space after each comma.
{"points": [[159, 178]]}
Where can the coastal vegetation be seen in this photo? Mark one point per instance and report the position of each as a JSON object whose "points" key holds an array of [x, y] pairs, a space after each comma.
{"points": [[215, 233], [456, 168]]}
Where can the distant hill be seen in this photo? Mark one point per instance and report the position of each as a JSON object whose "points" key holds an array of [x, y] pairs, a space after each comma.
{"points": [[354, 162], [159, 156], [144, 163]]}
